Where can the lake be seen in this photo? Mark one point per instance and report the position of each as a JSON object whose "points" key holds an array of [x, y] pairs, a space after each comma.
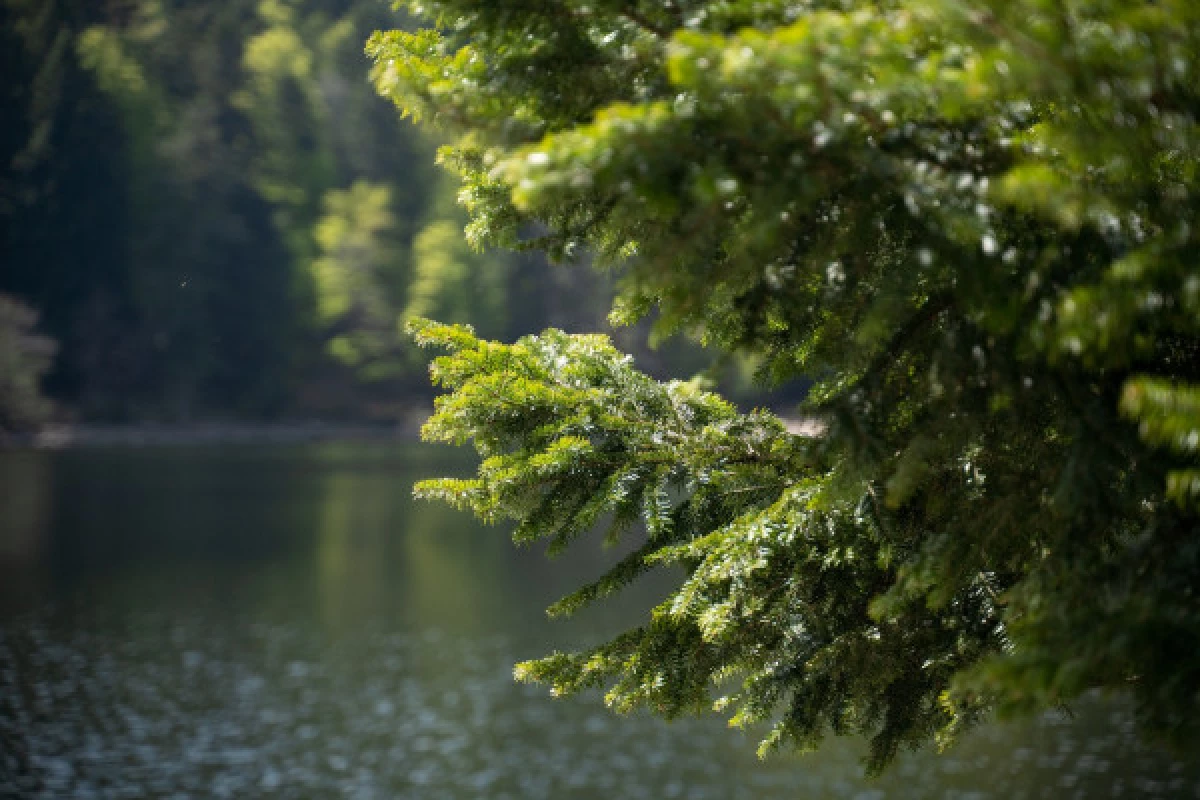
{"points": [[287, 622]]}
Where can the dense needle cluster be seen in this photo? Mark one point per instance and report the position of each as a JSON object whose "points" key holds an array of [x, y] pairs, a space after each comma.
{"points": [[973, 223]]}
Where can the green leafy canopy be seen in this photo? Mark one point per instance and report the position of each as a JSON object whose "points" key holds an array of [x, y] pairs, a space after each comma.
{"points": [[971, 222]]}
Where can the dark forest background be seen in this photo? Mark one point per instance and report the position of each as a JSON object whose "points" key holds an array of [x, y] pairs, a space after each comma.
{"points": [[206, 213]]}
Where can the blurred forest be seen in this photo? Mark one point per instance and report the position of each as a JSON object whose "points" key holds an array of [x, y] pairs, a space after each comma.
{"points": [[209, 214]]}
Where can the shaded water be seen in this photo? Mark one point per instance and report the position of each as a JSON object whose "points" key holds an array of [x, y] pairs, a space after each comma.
{"points": [[287, 622]]}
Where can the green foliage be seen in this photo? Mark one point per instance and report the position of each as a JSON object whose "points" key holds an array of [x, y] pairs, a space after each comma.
{"points": [[453, 282], [184, 209], [213, 335], [972, 223], [282, 100], [446, 275], [352, 272], [61, 200], [25, 357], [1169, 416], [179, 175]]}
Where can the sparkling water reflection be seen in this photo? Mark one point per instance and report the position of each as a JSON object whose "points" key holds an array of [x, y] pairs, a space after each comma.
{"points": [[287, 623]]}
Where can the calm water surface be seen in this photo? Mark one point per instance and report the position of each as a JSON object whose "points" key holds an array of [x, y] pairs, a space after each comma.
{"points": [[287, 622]]}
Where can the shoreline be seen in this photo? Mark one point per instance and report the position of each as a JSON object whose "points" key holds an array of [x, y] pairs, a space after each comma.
{"points": [[406, 429], [64, 437]]}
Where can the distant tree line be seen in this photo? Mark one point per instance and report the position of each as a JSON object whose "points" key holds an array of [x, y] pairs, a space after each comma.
{"points": [[216, 216]]}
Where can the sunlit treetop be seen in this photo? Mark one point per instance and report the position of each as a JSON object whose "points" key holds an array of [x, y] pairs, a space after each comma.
{"points": [[973, 223]]}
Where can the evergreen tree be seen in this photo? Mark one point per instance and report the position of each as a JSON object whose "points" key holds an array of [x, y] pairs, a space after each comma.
{"points": [[972, 223], [61, 198], [212, 335], [354, 300]]}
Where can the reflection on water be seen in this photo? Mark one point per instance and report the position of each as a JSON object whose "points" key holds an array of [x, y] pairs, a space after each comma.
{"points": [[286, 622], [25, 499]]}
